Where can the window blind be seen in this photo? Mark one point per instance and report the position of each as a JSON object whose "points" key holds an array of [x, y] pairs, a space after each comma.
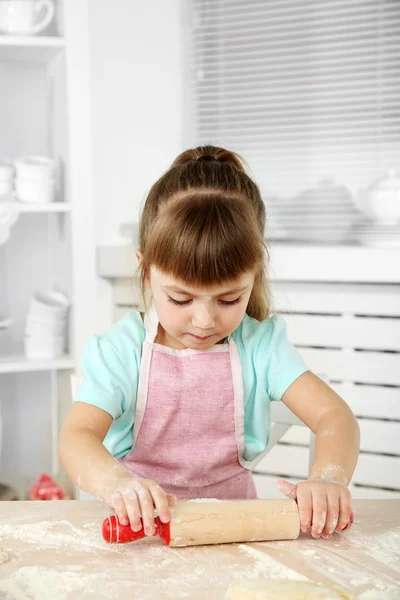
{"points": [[308, 92]]}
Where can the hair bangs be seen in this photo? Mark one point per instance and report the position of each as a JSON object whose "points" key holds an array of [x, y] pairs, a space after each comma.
{"points": [[205, 239]]}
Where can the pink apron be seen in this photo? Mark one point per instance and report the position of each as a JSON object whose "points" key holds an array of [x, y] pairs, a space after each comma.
{"points": [[189, 421]]}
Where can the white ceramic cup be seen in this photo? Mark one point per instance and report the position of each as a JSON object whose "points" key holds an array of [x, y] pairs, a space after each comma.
{"points": [[23, 17], [35, 167], [44, 346], [39, 327], [35, 191], [49, 304]]}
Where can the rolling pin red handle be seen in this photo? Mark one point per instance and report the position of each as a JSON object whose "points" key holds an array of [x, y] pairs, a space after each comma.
{"points": [[115, 533]]}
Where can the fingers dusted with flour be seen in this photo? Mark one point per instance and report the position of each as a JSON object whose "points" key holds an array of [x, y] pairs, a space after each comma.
{"points": [[324, 506], [135, 500]]}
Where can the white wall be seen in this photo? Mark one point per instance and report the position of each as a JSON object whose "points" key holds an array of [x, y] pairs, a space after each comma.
{"points": [[136, 102]]}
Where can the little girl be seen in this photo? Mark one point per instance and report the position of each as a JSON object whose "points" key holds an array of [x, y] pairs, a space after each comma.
{"points": [[176, 401]]}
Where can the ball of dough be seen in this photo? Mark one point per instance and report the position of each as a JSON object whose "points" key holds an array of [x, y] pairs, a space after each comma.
{"points": [[278, 589]]}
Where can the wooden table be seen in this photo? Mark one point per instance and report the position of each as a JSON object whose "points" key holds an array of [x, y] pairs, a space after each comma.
{"points": [[56, 552]]}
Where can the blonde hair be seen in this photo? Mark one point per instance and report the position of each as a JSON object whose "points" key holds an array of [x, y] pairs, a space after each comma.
{"points": [[203, 223]]}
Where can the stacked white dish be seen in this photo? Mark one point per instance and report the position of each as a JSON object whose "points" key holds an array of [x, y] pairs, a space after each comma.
{"points": [[46, 325], [323, 214], [36, 179]]}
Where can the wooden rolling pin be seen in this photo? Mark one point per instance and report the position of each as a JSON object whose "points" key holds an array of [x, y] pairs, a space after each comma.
{"points": [[209, 521]]}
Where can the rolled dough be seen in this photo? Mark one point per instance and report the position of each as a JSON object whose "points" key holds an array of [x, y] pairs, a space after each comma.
{"points": [[3, 556], [279, 589]]}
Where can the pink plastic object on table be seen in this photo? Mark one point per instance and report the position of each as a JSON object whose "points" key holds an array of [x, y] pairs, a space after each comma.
{"points": [[45, 488]]}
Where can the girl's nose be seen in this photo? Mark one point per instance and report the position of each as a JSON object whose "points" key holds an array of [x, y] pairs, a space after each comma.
{"points": [[203, 318]]}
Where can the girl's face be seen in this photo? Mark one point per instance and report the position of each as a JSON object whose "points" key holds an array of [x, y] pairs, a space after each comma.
{"points": [[198, 318]]}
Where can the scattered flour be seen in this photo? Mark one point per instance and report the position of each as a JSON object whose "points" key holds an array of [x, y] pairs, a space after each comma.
{"points": [[388, 594], [384, 548], [49, 534], [46, 584], [269, 567], [3, 556]]}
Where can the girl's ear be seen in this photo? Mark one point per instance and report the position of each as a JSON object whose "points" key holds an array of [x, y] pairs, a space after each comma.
{"points": [[139, 256]]}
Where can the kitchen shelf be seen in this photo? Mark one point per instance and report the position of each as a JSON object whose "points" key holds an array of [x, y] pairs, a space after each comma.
{"points": [[21, 364], [49, 207], [35, 50]]}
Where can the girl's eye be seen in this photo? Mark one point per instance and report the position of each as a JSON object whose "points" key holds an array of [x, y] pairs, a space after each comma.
{"points": [[185, 302], [230, 302], [178, 302]]}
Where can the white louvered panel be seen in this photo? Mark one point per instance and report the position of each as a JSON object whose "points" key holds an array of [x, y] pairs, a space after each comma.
{"points": [[344, 331], [376, 470], [372, 469], [285, 460], [266, 485], [369, 493], [358, 299], [363, 367], [297, 435], [370, 400], [382, 437]]}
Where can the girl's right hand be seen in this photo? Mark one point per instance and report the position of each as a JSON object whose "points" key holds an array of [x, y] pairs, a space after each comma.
{"points": [[134, 501]]}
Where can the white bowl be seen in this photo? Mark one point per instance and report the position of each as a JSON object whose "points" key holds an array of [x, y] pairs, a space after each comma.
{"points": [[35, 167], [44, 347], [36, 191]]}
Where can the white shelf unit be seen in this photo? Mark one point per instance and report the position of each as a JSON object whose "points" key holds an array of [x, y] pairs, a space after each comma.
{"points": [[54, 207], [342, 308], [45, 110], [30, 50], [20, 364]]}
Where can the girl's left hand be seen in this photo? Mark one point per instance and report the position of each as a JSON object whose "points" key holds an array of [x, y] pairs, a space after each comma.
{"points": [[324, 506]]}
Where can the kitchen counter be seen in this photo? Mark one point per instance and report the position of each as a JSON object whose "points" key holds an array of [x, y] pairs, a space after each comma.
{"points": [[55, 550]]}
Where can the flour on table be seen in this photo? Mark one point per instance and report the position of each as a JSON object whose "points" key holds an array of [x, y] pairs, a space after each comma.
{"points": [[40, 583], [280, 589], [52, 534], [3, 556], [269, 567]]}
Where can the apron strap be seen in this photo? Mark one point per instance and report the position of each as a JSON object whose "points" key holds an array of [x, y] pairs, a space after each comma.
{"points": [[151, 324]]}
